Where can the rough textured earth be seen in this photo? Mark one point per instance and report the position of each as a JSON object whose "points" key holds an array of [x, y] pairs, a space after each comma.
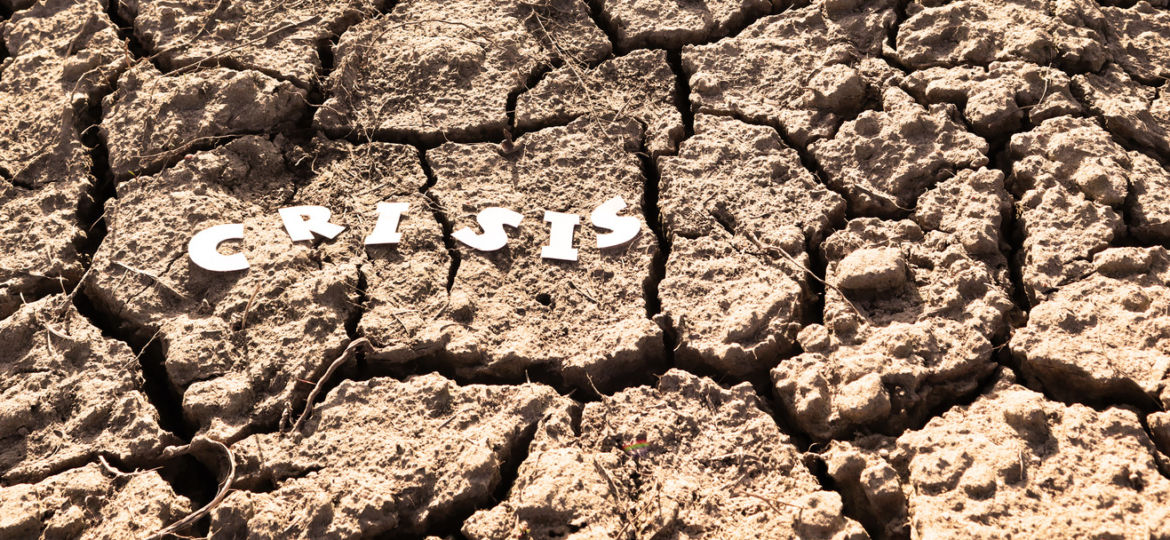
{"points": [[901, 269]]}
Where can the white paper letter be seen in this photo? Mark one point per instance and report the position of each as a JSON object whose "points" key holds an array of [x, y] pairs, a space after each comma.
{"points": [[203, 248], [299, 228], [624, 228], [560, 236], [492, 221], [386, 231]]}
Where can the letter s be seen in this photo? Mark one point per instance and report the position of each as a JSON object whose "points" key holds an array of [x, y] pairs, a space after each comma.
{"points": [[203, 248], [624, 228], [492, 221]]}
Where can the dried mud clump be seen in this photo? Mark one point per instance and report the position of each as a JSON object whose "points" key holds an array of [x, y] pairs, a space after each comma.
{"points": [[802, 71], [152, 119], [885, 159], [90, 503], [1077, 189], [433, 71], [910, 316], [1069, 35], [1137, 37], [999, 99], [1104, 337], [383, 455], [722, 200], [639, 85], [1130, 110], [511, 311], [687, 459], [671, 24], [1011, 464], [54, 73], [234, 344], [275, 37], [68, 395]]}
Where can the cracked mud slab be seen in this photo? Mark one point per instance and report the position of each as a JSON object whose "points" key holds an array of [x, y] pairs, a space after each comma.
{"points": [[90, 503], [670, 24], [802, 71], [69, 394], [714, 465], [53, 75], [1104, 336], [431, 71], [1079, 191], [151, 120], [721, 200], [383, 455], [279, 38], [639, 85], [911, 315], [584, 323], [1012, 463], [1130, 110], [233, 376], [1137, 39]]}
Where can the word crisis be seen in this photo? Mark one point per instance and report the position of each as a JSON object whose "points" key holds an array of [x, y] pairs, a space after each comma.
{"points": [[302, 222]]}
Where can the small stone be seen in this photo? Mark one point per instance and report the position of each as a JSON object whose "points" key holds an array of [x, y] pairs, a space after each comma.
{"points": [[874, 269]]}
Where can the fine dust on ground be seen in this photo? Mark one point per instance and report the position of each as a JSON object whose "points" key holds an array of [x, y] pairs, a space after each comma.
{"points": [[902, 271]]}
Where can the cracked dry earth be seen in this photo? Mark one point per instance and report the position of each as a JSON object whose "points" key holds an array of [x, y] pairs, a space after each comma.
{"points": [[903, 269]]}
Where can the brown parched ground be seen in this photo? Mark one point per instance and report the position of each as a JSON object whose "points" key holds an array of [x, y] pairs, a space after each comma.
{"points": [[903, 270]]}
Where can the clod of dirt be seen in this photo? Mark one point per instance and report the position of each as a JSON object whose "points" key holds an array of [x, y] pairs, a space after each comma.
{"points": [[510, 310], [685, 459], [1137, 38], [435, 71], [54, 74], [1074, 183], [1130, 110], [1069, 35], [274, 37], [998, 99], [733, 196], [1103, 337], [1159, 423], [670, 24], [1011, 464], [152, 120], [90, 503], [915, 327], [234, 343], [68, 395], [885, 159], [801, 71], [639, 85], [384, 455]]}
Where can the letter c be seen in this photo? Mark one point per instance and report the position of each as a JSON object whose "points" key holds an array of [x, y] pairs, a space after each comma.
{"points": [[203, 248]]}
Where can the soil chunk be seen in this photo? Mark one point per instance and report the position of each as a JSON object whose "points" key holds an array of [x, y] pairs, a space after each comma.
{"points": [[1130, 110], [801, 71], [979, 32], [432, 71], [684, 459], [885, 159], [89, 503], [1103, 337], [274, 37], [1137, 41], [383, 455], [68, 395], [234, 344], [639, 85], [152, 120], [997, 100], [1074, 183], [1004, 466], [53, 74], [733, 196], [511, 311], [670, 24]]}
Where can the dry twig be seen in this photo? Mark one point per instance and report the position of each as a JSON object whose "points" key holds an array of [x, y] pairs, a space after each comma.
{"points": [[354, 346], [176, 451]]}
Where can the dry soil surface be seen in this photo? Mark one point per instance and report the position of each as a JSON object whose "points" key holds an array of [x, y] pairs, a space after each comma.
{"points": [[901, 269]]}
